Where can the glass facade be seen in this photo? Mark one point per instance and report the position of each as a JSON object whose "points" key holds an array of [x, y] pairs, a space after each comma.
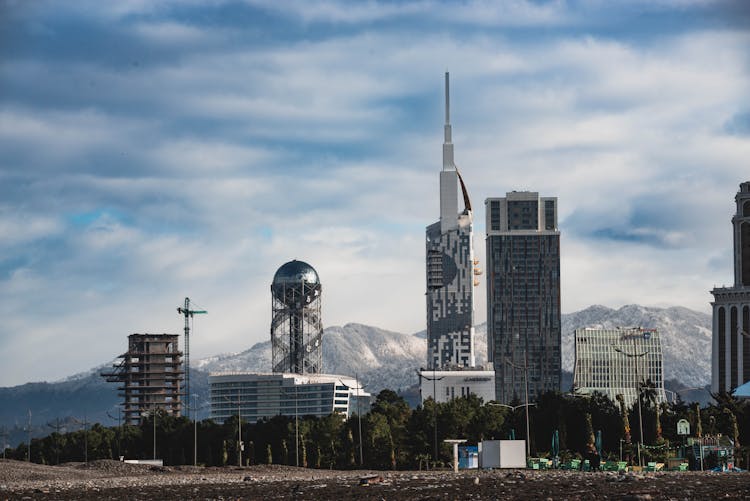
{"points": [[258, 396], [523, 295], [616, 361]]}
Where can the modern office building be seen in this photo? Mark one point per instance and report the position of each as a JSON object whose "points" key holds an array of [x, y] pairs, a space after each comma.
{"points": [[296, 324], [257, 396], [617, 361], [730, 360], [450, 267], [523, 294], [151, 374]]}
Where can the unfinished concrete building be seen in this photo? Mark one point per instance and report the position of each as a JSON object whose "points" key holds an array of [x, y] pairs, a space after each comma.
{"points": [[151, 374]]}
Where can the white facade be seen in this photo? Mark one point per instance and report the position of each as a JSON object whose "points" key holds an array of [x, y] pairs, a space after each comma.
{"points": [[730, 360], [502, 454], [266, 395], [615, 361], [443, 386]]}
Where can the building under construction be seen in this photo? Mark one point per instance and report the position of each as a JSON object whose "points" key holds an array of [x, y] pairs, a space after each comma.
{"points": [[151, 374]]}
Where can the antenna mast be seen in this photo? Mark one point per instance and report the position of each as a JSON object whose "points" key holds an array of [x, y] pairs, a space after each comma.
{"points": [[188, 314]]}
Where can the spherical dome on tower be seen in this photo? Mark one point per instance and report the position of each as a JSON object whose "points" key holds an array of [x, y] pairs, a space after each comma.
{"points": [[295, 272]]}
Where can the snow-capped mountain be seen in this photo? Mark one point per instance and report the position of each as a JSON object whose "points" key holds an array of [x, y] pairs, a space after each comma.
{"points": [[382, 359], [386, 359], [685, 337]]}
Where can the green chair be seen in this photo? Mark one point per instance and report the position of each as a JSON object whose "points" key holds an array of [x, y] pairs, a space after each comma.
{"points": [[622, 466], [651, 466], [683, 467]]}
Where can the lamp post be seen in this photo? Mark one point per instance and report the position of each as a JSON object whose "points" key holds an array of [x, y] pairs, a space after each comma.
{"points": [[359, 414], [434, 379], [287, 394], [239, 427], [85, 437], [525, 368], [636, 356], [195, 427], [153, 415], [28, 447], [119, 429], [513, 408]]}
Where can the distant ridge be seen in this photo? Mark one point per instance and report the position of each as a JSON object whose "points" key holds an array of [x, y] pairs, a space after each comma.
{"points": [[381, 358]]}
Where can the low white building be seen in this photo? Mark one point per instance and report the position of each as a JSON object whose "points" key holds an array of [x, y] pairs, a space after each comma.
{"points": [[443, 386], [264, 395], [616, 361]]}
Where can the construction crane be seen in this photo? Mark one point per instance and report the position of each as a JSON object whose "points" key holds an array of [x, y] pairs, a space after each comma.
{"points": [[188, 313]]}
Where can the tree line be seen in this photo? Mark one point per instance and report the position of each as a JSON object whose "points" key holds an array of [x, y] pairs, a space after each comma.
{"points": [[394, 436]]}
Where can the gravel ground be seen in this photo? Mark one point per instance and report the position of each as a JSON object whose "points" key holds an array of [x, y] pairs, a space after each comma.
{"points": [[115, 480]]}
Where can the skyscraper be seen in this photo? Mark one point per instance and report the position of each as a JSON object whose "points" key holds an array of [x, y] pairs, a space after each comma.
{"points": [[523, 294], [730, 361], [450, 268]]}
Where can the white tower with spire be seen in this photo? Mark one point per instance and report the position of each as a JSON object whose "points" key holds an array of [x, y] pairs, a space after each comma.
{"points": [[451, 278], [450, 268], [449, 174]]}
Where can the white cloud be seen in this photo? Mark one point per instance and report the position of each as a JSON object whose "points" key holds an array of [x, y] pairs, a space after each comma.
{"points": [[199, 172]]}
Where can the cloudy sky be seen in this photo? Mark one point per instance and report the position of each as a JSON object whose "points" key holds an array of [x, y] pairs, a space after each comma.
{"points": [[155, 150]]}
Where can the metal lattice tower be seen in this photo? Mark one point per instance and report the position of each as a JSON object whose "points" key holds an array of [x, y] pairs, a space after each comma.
{"points": [[296, 326]]}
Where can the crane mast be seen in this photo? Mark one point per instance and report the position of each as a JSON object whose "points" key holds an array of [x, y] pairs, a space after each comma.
{"points": [[188, 313]]}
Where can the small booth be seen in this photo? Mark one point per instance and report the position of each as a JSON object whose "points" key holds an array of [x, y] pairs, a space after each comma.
{"points": [[502, 454]]}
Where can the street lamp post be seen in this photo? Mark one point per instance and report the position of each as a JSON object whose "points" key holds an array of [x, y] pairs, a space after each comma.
{"points": [[239, 431], [239, 427], [153, 416], [636, 356], [525, 368], [119, 428], [513, 408], [195, 429], [434, 379]]}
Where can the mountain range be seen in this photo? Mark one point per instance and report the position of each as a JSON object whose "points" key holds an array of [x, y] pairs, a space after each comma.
{"points": [[381, 359]]}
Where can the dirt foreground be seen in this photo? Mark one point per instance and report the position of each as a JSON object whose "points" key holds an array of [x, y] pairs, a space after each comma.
{"points": [[114, 480]]}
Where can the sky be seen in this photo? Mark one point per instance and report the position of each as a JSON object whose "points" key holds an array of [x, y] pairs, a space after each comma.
{"points": [[151, 151]]}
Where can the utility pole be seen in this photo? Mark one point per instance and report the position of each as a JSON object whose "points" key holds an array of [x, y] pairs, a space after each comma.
{"points": [[119, 428], [525, 368], [188, 313], [359, 421], [4, 435], [85, 437], [28, 447], [239, 431], [636, 357], [56, 427], [434, 380]]}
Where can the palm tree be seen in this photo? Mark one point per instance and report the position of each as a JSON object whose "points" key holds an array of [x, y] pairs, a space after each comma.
{"points": [[625, 421], [647, 393], [735, 429], [698, 423]]}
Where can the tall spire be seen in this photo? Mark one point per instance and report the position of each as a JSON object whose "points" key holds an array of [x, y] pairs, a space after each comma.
{"points": [[447, 144]]}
